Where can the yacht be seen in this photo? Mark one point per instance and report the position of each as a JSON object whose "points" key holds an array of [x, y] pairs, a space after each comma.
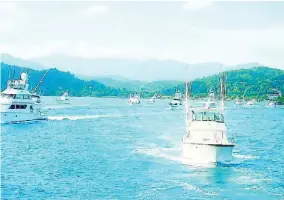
{"points": [[152, 99], [250, 104], [211, 102], [271, 104], [64, 96], [177, 100], [134, 99], [238, 102], [205, 140], [18, 104]]}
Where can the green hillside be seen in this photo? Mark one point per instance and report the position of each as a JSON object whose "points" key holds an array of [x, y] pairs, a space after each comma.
{"points": [[251, 83], [57, 81]]}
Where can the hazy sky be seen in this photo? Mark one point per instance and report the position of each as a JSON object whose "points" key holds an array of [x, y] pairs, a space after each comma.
{"points": [[196, 31]]}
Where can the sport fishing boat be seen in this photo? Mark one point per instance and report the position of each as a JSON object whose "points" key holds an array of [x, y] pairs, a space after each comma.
{"points": [[134, 99], [64, 96], [18, 104], [177, 100], [205, 140]]}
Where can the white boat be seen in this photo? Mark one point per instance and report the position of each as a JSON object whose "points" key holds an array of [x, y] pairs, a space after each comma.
{"points": [[152, 99], [238, 102], [18, 104], [250, 104], [64, 97], [211, 102], [205, 140], [134, 99], [271, 104], [177, 100]]}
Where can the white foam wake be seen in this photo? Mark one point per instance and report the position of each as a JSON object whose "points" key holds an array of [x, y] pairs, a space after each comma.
{"points": [[79, 117], [188, 186], [62, 106], [245, 157], [173, 154], [167, 153]]}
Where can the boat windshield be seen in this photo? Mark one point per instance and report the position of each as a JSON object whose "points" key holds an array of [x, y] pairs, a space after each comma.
{"points": [[8, 96], [207, 116]]}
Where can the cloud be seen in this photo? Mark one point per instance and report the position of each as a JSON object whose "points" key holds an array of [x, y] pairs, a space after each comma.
{"points": [[94, 10], [8, 8], [226, 46], [8, 11], [196, 4]]}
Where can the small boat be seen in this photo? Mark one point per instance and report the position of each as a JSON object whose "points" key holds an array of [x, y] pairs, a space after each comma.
{"points": [[205, 140], [134, 99], [211, 102], [18, 104], [64, 96], [271, 104], [177, 100], [250, 104], [152, 99], [238, 102]]}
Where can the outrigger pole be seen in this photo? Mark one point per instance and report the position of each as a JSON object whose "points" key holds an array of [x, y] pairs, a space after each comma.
{"points": [[186, 101], [40, 81], [222, 90]]}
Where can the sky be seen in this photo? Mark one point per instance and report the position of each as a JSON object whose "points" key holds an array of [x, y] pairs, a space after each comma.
{"points": [[192, 32]]}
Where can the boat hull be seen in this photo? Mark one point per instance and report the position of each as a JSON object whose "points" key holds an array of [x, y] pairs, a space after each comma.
{"points": [[134, 101], [207, 153], [14, 117]]}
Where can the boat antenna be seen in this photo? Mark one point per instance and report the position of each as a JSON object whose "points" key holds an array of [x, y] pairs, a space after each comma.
{"points": [[40, 81]]}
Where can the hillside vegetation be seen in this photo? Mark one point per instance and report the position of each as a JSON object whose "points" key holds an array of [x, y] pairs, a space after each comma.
{"points": [[251, 83], [56, 82]]}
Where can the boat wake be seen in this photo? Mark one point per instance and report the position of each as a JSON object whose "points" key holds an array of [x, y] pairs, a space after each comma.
{"points": [[166, 153], [62, 106], [80, 117], [245, 157], [172, 154], [188, 186]]}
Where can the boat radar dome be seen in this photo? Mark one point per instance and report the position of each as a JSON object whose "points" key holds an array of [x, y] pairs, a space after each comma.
{"points": [[24, 77]]}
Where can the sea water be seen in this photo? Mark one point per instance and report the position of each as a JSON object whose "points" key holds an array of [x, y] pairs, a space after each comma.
{"points": [[94, 148]]}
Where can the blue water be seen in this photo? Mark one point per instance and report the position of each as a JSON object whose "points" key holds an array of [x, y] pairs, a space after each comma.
{"points": [[105, 149]]}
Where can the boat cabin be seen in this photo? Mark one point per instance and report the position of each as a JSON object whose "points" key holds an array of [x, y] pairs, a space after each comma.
{"points": [[17, 85], [204, 115], [15, 96], [178, 96]]}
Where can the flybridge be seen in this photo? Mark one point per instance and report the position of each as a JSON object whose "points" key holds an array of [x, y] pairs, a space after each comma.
{"points": [[17, 85]]}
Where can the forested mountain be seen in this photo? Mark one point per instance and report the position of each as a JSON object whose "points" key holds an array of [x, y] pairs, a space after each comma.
{"points": [[251, 83], [256, 83], [57, 81]]}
